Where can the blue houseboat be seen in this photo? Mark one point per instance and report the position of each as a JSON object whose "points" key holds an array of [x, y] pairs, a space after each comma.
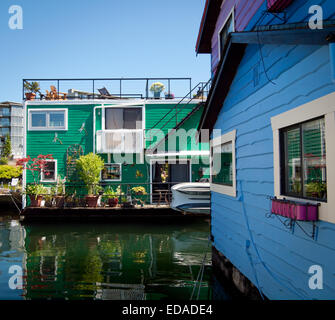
{"points": [[271, 117]]}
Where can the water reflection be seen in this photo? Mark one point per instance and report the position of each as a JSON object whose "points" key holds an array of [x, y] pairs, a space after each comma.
{"points": [[111, 261]]}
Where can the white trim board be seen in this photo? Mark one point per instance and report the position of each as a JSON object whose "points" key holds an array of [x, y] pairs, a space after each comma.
{"points": [[227, 190], [47, 127], [324, 106]]}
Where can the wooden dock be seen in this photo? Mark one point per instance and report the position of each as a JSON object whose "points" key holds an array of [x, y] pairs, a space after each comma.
{"points": [[137, 213]]}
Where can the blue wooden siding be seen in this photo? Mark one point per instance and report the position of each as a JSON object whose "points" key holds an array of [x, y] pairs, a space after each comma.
{"points": [[300, 74]]}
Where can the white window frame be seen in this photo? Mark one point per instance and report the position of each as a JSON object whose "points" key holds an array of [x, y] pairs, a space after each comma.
{"points": [[47, 127], [122, 106], [56, 173], [322, 107], [218, 141], [232, 15], [112, 180]]}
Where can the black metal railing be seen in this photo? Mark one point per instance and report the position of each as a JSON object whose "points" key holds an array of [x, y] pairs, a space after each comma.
{"points": [[75, 194], [198, 92], [105, 88]]}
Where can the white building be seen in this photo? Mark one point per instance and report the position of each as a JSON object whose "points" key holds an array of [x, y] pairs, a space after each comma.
{"points": [[11, 123]]}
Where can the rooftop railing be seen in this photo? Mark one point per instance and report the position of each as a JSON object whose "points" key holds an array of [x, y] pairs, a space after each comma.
{"points": [[106, 88]]}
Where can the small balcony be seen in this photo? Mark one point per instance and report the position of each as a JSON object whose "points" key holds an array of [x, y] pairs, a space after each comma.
{"points": [[119, 141]]}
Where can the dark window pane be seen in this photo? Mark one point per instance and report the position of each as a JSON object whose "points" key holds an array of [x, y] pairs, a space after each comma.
{"points": [[222, 169], [314, 159], [111, 172], [305, 160], [228, 28], [114, 118], [38, 119], [293, 165], [49, 171], [133, 118]]}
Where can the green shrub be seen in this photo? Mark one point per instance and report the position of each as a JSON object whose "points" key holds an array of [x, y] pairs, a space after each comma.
{"points": [[89, 168], [9, 172]]}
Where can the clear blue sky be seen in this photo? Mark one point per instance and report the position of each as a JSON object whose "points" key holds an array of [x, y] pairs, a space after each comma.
{"points": [[100, 38]]}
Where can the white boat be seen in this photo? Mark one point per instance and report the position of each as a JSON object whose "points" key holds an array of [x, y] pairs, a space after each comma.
{"points": [[191, 197]]}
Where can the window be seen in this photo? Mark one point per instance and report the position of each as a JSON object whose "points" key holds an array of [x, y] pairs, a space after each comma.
{"points": [[222, 172], [227, 27], [4, 122], [223, 164], [5, 112], [49, 173], [111, 172], [48, 119], [303, 165], [123, 118], [4, 131]]}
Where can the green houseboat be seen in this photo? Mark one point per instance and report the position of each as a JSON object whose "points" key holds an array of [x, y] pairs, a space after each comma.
{"points": [[145, 141]]}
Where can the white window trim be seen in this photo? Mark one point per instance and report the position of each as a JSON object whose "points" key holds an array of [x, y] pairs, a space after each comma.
{"points": [[56, 173], [47, 128], [324, 106], [122, 106], [112, 180], [227, 190], [231, 14]]}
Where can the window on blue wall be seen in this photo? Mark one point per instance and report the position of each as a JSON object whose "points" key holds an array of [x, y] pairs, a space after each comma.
{"points": [[222, 166], [303, 164], [226, 29]]}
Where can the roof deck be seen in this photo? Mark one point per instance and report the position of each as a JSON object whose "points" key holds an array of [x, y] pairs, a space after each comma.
{"points": [[113, 89]]}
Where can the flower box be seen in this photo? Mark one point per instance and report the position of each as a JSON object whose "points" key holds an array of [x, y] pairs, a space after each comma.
{"points": [[295, 210]]}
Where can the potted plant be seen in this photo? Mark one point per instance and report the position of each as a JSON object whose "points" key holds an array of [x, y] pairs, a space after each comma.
{"points": [[35, 193], [139, 190], [58, 193], [157, 88], [316, 189], [169, 95], [89, 167], [36, 166], [126, 202], [110, 197], [32, 88]]}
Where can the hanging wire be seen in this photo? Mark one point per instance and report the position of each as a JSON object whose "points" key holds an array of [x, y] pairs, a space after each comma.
{"points": [[279, 281], [260, 47]]}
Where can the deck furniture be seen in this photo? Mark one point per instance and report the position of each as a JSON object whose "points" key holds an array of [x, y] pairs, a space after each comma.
{"points": [[163, 193], [104, 94], [57, 95]]}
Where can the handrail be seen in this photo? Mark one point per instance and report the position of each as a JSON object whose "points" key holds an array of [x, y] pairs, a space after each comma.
{"points": [[188, 94], [182, 108]]}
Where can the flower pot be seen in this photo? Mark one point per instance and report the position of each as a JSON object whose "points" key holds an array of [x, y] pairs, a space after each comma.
{"points": [[157, 95], [30, 95], [92, 201], [127, 205], [112, 202], [35, 201], [59, 201]]}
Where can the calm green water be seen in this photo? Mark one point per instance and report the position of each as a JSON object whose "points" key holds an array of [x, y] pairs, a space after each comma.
{"points": [[104, 261]]}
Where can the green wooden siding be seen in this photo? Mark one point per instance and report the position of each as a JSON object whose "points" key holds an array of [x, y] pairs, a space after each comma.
{"points": [[41, 142]]}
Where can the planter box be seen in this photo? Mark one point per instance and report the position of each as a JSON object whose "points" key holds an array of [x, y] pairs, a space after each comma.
{"points": [[295, 210]]}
